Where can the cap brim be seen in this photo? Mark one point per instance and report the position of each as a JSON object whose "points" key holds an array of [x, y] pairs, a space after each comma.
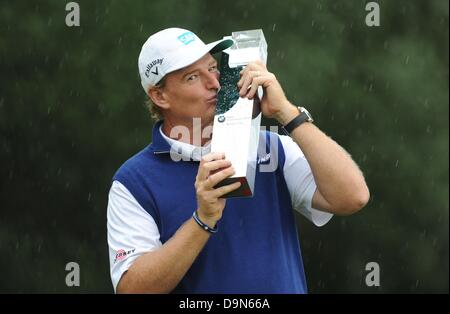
{"points": [[220, 45]]}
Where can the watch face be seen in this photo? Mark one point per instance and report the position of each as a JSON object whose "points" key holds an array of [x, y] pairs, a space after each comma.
{"points": [[310, 119]]}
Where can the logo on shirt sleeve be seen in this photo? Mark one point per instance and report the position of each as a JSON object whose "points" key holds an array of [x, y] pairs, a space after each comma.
{"points": [[122, 254]]}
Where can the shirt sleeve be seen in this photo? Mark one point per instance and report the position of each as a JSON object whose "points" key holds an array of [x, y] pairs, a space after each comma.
{"points": [[132, 231], [300, 182]]}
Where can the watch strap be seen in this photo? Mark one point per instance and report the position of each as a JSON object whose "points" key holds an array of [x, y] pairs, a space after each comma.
{"points": [[302, 117]]}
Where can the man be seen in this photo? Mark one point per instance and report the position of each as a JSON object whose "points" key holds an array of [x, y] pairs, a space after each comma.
{"points": [[169, 230]]}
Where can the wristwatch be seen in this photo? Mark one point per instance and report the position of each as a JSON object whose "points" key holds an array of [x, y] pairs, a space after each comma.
{"points": [[304, 116]]}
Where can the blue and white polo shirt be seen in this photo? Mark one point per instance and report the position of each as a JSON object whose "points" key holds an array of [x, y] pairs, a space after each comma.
{"points": [[256, 249]]}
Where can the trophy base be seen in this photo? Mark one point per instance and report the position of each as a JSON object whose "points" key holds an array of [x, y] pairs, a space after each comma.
{"points": [[243, 191]]}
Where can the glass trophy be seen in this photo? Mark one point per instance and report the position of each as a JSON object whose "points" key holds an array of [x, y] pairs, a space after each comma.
{"points": [[237, 120]]}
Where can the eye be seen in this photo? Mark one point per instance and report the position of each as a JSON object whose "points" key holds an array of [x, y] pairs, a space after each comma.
{"points": [[192, 77], [213, 68]]}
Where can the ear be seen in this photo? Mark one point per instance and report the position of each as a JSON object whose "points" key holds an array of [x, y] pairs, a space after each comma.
{"points": [[158, 97]]}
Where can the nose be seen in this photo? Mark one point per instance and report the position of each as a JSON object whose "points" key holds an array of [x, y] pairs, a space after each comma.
{"points": [[212, 80]]}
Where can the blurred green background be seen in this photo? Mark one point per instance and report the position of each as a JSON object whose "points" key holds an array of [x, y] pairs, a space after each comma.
{"points": [[71, 111]]}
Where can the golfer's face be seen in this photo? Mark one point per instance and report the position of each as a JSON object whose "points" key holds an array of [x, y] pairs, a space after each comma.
{"points": [[192, 91]]}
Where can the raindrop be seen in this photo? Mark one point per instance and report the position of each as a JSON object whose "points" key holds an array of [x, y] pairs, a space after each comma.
{"points": [[423, 233], [407, 60], [49, 22], [429, 129], [434, 241], [396, 163], [142, 26], [273, 27], [293, 13], [280, 54], [89, 197], [403, 10]]}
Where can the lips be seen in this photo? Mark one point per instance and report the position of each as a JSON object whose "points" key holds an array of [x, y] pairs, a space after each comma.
{"points": [[212, 99]]}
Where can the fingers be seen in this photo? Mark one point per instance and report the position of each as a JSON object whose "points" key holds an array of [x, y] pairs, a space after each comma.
{"points": [[219, 192], [203, 172], [252, 67], [254, 75], [212, 156], [250, 87], [213, 196], [218, 177], [257, 81], [255, 66], [246, 81], [212, 170]]}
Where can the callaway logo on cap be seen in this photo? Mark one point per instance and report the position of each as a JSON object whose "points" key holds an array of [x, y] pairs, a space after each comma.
{"points": [[170, 50]]}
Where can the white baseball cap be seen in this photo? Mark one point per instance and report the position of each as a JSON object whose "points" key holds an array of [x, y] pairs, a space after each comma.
{"points": [[172, 49]]}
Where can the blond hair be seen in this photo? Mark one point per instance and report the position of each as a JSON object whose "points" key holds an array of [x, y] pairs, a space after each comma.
{"points": [[154, 109]]}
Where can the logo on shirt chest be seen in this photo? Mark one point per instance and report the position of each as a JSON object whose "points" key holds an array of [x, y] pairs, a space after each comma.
{"points": [[263, 160]]}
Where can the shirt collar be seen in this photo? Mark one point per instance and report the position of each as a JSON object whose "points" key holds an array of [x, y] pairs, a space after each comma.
{"points": [[163, 144]]}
